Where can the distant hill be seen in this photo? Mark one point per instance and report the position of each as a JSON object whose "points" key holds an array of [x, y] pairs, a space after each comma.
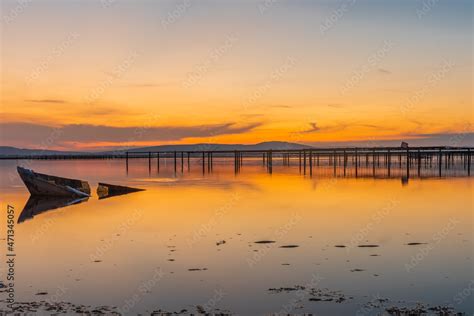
{"points": [[13, 151], [216, 147]]}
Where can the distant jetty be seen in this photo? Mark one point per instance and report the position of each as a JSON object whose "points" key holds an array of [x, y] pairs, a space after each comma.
{"points": [[306, 158]]}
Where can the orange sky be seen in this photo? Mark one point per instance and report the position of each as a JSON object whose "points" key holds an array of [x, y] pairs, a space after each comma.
{"points": [[233, 72]]}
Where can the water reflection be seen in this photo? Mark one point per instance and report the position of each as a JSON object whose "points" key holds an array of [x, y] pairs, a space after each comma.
{"points": [[41, 204], [423, 233], [105, 190]]}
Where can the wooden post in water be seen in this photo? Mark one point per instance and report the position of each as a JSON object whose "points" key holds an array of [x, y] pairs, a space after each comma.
{"points": [[389, 162], [203, 162], [446, 158], [263, 159], [189, 161], [158, 162], [468, 161], [299, 158], [304, 161], [357, 162], [440, 161], [419, 163], [149, 162], [311, 163], [175, 162], [270, 159], [126, 161], [373, 159], [345, 162], [408, 163]]}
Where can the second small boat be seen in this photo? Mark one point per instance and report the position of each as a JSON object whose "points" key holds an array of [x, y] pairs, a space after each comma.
{"points": [[105, 190]]}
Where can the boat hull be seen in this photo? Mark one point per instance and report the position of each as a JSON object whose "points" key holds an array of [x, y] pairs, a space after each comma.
{"points": [[105, 190], [46, 185]]}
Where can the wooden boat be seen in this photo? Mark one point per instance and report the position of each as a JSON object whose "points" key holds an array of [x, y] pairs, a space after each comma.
{"points": [[47, 185], [105, 190]]}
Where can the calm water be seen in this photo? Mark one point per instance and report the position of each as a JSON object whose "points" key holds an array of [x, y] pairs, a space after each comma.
{"points": [[135, 251]]}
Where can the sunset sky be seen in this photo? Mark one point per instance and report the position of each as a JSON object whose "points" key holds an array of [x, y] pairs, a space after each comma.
{"points": [[102, 74]]}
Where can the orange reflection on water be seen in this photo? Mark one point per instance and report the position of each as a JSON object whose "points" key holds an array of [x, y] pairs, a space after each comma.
{"points": [[183, 217]]}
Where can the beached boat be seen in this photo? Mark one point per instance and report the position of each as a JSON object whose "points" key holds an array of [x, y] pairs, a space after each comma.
{"points": [[105, 190], [47, 185]]}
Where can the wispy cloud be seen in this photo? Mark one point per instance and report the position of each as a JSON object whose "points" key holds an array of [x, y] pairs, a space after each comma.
{"points": [[31, 134], [337, 127], [280, 106], [152, 85], [314, 128], [252, 115], [46, 101], [384, 71]]}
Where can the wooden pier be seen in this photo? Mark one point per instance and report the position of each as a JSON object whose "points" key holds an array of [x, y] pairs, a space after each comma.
{"points": [[338, 158], [411, 159]]}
